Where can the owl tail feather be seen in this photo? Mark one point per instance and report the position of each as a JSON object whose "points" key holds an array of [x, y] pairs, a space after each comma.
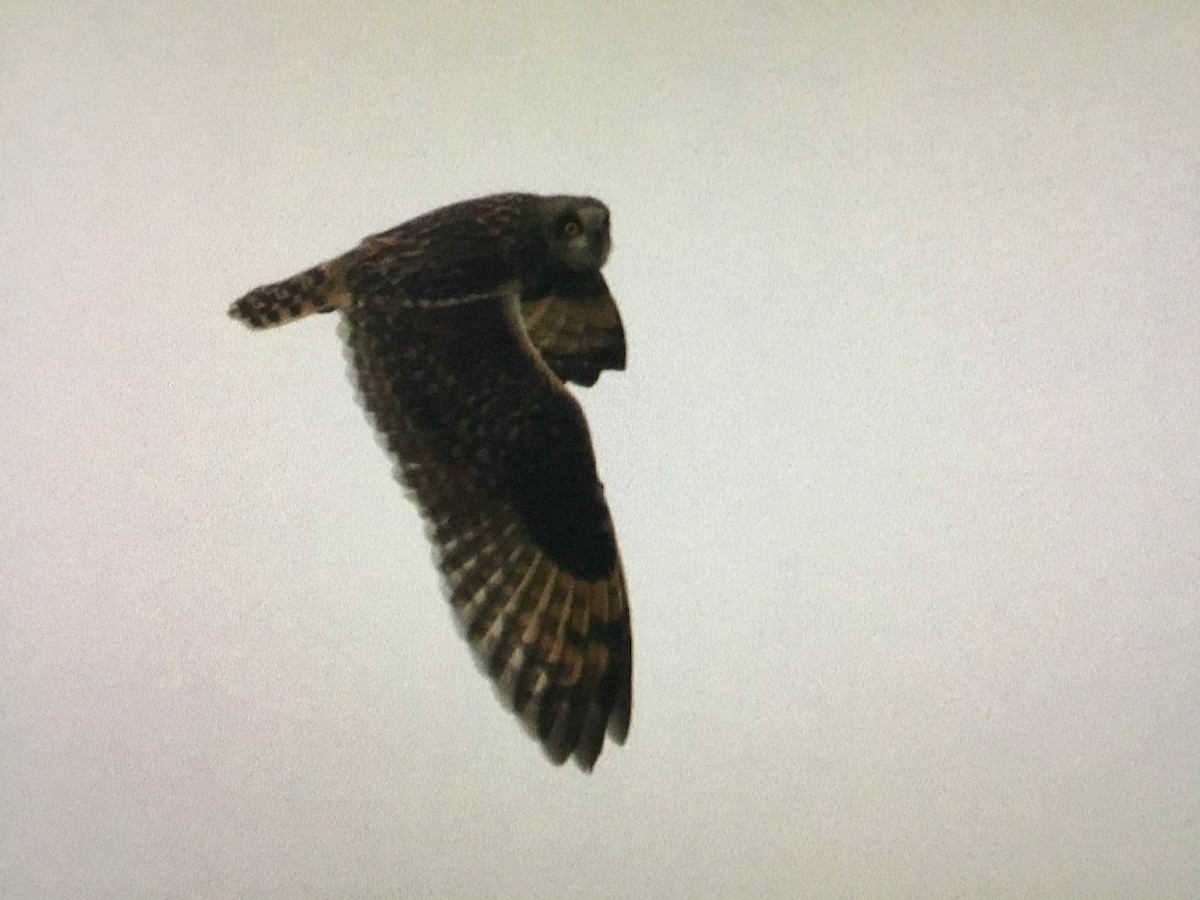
{"points": [[312, 291]]}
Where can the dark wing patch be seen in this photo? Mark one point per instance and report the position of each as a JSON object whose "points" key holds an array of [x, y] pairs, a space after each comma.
{"points": [[498, 458], [577, 328]]}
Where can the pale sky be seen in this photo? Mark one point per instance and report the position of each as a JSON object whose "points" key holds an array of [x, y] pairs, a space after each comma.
{"points": [[905, 467]]}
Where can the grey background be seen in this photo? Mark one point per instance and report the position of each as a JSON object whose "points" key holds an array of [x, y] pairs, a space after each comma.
{"points": [[904, 466]]}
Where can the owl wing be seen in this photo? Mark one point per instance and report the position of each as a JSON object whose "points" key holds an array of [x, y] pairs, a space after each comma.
{"points": [[497, 456], [470, 264], [577, 328]]}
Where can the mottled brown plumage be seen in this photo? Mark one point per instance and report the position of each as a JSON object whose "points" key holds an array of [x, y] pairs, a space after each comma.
{"points": [[460, 327]]}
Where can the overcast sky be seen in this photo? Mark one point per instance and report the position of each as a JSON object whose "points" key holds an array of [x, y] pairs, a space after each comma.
{"points": [[905, 466]]}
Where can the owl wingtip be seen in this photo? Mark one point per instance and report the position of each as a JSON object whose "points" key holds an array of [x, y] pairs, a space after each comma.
{"points": [[237, 312]]}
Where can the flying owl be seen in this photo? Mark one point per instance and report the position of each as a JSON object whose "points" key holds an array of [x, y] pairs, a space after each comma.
{"points": [[461, 328]]}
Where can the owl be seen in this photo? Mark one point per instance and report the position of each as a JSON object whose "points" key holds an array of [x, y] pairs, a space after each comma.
{"points": [[461, 328]]}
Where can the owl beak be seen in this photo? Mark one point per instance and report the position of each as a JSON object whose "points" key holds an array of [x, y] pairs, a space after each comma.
{"points": [[601, 244], [595, 223]]}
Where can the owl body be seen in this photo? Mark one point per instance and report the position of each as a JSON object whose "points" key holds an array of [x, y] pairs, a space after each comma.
{"points": [[460, 328], [476, 249]]}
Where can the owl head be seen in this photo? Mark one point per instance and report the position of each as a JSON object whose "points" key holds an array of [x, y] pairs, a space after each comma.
{"points": [[576, 231]]}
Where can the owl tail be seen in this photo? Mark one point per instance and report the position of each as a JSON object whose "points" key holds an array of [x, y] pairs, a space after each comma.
{"points": [[312, 291]]}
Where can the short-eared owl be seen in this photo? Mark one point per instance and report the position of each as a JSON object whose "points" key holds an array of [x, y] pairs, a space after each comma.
{"points": [[461, 327]]}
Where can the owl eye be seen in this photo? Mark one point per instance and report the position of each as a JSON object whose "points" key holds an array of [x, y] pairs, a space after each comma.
{"points": [[572, 229]]}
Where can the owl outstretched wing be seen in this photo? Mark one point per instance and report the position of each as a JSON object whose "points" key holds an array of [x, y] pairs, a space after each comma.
{"points": [[498, 457], [472, 259]]}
